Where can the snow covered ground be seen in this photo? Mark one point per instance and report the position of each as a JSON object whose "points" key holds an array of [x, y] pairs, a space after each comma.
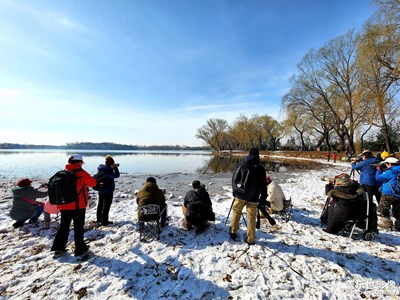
{"points": [[289, 261]]}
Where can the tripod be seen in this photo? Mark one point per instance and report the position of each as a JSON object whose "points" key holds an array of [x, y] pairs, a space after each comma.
{"points": [[227, 217], [352, 173]]}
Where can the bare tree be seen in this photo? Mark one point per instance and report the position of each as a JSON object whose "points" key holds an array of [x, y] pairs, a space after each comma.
{"points": [[213, 133]]}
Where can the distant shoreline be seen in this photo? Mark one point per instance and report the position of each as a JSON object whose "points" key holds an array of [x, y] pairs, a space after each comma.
{"points": [[98, 146]]}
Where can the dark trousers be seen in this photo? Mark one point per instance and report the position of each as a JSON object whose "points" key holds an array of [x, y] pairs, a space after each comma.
{"points": [[373, 190], [103, 207], [61, 239]]}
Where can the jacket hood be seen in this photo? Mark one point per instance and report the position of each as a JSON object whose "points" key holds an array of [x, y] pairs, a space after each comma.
{"points": [[395, 169], [103, 168], [150, 187], [252, 159], [346, 192], [21, 191], [70, 167]]}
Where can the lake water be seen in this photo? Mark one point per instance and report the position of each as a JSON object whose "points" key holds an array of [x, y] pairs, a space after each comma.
{"points": [[43, 164]]}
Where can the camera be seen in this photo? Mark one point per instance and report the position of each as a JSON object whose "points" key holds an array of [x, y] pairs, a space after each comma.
{"points": [[116, 165], [356, 159]]}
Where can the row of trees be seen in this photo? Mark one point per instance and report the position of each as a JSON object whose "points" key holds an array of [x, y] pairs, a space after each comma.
{"points": [[340, 93]]}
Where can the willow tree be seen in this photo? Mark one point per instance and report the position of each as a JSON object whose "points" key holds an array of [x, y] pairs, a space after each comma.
{"points": [[213, 133], [378, 59], [241, 133], [298, 121]]}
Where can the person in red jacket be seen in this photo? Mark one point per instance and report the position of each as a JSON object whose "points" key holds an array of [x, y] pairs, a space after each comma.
{"points": [[74, 211]]}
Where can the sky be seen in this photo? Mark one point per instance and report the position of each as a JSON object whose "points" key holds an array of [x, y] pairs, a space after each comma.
{"points": [[152, 72]]}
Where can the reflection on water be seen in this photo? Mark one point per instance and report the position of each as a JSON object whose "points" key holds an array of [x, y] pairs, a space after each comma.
{"points": [[43, 164], [227, 164]]}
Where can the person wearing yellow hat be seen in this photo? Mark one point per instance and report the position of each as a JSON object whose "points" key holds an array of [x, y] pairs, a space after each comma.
{"points": [[385, 154]]}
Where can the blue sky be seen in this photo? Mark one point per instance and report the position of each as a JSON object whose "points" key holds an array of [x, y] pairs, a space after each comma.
{"points": [[147, 72]]}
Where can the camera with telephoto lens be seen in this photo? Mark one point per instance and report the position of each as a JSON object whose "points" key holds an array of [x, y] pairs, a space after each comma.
{"points": [[356, 159]]}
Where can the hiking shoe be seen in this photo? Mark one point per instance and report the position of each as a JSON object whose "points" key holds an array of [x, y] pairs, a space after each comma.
{"points": [[233, 236], [188, 226], [59, 253], [106, 223], [18, 224], [82, 252]]}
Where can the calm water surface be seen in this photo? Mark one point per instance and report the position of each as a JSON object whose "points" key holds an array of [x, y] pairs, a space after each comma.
{"points": [[44, 163]]}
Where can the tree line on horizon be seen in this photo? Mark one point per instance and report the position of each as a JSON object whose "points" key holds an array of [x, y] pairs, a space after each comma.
{"points": [[101, 146], [343, 96]]}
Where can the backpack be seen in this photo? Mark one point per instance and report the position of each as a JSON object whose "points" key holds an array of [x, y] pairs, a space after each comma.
{"points": [[240, 178], [196, 211], [62, 188], [103, 181], [396, 187]]}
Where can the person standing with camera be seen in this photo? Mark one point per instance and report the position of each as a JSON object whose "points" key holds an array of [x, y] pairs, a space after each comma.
{"points": [[390, 201], [106, 193], [365, 163]]}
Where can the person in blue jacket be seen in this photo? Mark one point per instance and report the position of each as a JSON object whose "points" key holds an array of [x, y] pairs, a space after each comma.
{"points": [[106, 194], [389, 200], [367, 170]]}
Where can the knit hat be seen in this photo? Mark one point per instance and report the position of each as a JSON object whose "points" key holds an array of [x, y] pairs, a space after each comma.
{"points": [[151, 179], [254, 152], [24, 182], [196, 184], [343, 179], [109, 160]]}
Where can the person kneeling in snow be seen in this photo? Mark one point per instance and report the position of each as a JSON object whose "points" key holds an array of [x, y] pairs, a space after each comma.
{"points": [[197, 208], [24, 205], [346, 203]]}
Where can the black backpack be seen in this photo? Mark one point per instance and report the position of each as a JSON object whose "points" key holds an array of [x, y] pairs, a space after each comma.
{"points": [[62, 187], [102, 179], [241, 178], [196, 211]]}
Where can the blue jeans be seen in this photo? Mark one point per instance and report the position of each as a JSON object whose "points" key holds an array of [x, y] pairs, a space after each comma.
{"points": [[36, 214]]}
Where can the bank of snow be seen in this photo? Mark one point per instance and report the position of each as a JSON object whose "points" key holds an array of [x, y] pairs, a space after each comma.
{"points": [[289, 261]]}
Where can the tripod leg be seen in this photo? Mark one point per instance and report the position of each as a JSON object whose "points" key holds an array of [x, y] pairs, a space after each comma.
{"points": [[244, 220], [227, 217], [258, 223]]}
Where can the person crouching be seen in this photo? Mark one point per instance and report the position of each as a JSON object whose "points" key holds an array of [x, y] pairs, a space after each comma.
{"points": [[197, 208]]}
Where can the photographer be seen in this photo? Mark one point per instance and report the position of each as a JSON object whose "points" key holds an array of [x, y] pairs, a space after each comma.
{"points": [[110, 168], [366, 165], [197, 208], [389, 199], [25, 207]]}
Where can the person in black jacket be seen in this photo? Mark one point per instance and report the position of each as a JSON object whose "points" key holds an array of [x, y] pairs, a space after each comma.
{"points": [[106, 194], [197, 208], [252, 191], [346, 202]]}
